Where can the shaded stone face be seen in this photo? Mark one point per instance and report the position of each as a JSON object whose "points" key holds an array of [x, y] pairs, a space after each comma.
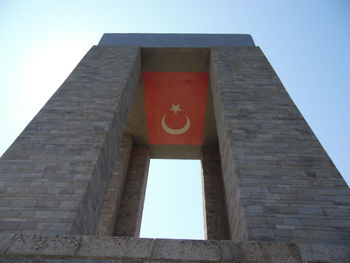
{"points": [[266, 176]]}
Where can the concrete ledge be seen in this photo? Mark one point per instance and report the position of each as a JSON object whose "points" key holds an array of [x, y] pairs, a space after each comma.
{"points": [[29, 247], [176, 40]]}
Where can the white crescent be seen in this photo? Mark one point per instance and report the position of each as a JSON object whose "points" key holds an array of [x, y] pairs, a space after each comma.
{"points": [[176, 131]]}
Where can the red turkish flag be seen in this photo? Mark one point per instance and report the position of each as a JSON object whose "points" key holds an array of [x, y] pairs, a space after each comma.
{"points": [[175, 107]]}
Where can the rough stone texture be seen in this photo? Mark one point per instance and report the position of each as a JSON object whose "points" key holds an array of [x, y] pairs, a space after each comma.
{"points": [[265, 252], [280, 184], [187, 250], [214, 197], [54, 175], [324, 253], [32, 244], [46, 248], [129, 216], [120, 247], [115, 188], [5, 240]]}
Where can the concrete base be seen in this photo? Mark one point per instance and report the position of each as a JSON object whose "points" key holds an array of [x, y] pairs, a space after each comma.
{"points": [[29, 247]]}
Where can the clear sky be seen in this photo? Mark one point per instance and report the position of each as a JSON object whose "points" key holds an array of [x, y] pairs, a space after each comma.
{"points": [[307, 43], [173, 205]]}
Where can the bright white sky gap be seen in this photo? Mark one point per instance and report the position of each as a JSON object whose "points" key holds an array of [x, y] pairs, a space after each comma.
{"points": [[173, 205]]}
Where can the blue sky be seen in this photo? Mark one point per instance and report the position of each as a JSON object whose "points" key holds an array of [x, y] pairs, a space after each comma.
{"points": [[307, 43], [173, 205]]}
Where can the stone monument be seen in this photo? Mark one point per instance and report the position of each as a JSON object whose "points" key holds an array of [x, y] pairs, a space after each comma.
{"points": [[72, 185]]}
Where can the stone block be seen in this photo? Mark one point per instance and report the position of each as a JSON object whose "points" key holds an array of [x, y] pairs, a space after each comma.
{"points": [[311, 253], [33, 244], [8, 226], [57, 227], [27, 225], [186, 250], [115, 247], [265, 252], [5, 241]]}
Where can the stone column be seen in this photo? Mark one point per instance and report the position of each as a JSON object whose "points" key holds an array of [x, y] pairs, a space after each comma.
{"points": [[129, 216], [115, 189], [54, 176], [214, 196], [279, 182]]}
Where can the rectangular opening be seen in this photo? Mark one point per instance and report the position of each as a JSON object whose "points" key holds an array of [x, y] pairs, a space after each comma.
{"points": [[173, 206]]}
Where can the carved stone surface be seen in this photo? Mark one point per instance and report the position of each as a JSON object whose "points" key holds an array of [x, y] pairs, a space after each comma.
{"points": [[44, 248]]}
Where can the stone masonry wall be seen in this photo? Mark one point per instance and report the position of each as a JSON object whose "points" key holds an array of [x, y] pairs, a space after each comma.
{"points": [[217, 227], [280, 184], [235, 213], [53, 177], [111, 202], [128, 222]]}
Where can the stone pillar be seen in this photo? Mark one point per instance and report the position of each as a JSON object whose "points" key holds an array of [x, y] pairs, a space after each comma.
{"points": [[115, 189], [214, 196], [54, 175], [280, 184], [129, 216]]}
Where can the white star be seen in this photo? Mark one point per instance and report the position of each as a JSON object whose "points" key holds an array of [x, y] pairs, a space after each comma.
{"points": [[175, 108]]}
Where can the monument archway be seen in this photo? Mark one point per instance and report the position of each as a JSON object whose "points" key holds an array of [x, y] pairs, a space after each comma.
{"points": [[172, 117]]}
